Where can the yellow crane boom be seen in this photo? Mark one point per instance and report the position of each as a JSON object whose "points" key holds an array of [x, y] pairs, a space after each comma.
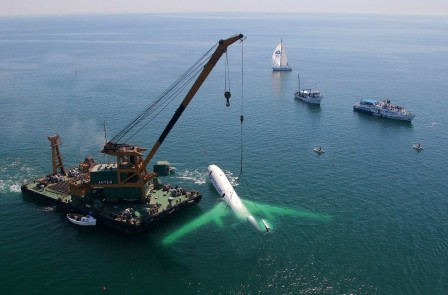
{"points": [[131, 166], [220, 50]]}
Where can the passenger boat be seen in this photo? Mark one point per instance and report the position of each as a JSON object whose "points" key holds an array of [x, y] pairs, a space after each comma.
{"points": [[308, 95], [84, 220], [383, 109]]}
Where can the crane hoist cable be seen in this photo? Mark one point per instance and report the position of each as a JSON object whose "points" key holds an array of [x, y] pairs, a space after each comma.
{"points": [[241, 176], [242, 108], [227, 93]]}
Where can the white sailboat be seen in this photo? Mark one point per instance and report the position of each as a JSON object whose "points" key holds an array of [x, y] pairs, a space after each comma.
{"points": [[279, 59]]}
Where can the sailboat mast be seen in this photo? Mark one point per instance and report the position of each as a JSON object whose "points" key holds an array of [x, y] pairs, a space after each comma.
{"points": [[281, 53], [283, 58]]}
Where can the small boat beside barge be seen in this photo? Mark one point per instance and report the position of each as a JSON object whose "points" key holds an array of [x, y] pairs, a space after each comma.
{"points": [[83, 220]]}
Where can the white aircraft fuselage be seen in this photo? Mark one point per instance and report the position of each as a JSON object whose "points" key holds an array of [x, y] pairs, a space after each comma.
{"points": [[229, 195]]}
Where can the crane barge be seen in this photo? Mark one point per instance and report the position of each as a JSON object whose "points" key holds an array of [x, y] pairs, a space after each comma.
{"points": [[123, 195]]}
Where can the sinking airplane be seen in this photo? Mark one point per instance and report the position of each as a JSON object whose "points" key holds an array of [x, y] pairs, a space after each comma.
{"points": [[225, 190], [242, 209]]}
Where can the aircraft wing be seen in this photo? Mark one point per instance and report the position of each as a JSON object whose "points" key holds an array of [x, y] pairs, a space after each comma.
{"points": [[257, 209], [270, 211], [213, 215]]}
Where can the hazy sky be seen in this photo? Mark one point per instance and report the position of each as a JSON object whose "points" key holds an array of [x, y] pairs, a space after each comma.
{"points": [[58, 7]]}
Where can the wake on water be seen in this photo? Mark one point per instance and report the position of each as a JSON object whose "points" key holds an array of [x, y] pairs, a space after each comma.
{"points": [[13, 172], [9, 186]]}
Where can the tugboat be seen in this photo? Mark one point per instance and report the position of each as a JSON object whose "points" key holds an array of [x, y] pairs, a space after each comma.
{"points": [[125, 195]]}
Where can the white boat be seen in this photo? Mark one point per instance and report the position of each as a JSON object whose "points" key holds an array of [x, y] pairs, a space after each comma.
{"points": [[84, 220], [418, 147], [319, 150], [308, 95], [383, 109], [279, 59]]}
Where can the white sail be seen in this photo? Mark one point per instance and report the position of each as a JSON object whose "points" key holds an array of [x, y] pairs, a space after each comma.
{"points": [[279, 59], [277, 55], [283, 59]]}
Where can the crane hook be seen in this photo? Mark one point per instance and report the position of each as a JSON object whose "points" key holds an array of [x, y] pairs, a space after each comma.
{"points": [[227, 95]]}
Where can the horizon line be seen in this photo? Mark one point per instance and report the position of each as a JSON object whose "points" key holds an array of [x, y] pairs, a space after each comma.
{"points": [[218, 12]]}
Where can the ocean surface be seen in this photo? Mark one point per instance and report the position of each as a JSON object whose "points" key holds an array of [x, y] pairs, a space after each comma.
{"points": [[375, 211]]}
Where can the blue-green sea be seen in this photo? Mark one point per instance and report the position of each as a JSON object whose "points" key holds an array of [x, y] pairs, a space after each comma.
{"points": [[375, 211]]}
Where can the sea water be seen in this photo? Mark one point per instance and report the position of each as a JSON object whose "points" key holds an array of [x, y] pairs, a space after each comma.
{"points": [[385, 229]]}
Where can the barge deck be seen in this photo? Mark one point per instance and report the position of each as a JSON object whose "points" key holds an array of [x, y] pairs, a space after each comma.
{"points": [[127, 216]]}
